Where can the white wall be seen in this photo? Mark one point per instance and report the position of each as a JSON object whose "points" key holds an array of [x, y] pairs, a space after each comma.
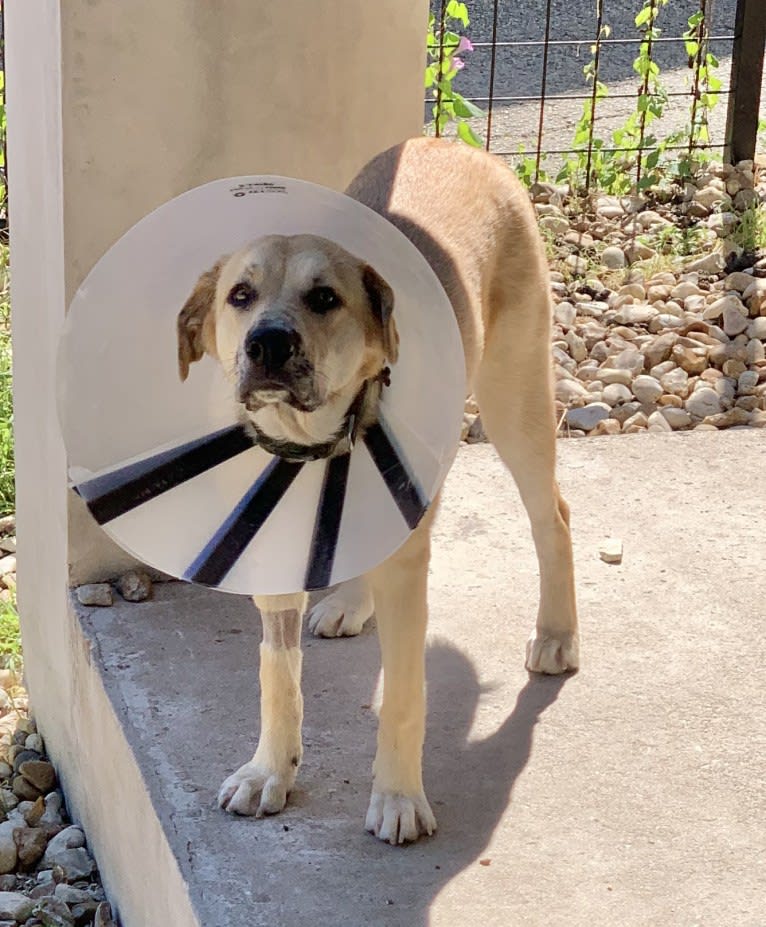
{"points": [[113, 108]]}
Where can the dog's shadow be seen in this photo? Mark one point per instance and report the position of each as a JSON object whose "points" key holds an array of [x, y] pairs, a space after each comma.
{"points": [[469, 782]]}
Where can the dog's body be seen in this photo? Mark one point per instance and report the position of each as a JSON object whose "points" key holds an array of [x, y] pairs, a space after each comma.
{"points": [[299, 326]]}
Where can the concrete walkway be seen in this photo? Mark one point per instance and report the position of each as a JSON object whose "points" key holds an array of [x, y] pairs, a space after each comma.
{"points": [[630, 794]]}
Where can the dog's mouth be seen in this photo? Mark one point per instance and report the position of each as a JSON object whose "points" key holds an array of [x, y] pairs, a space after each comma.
{"points": [[255, 395]]}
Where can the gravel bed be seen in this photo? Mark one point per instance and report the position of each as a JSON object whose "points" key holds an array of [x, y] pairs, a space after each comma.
{"points": [[659, 312], [47, 876]]}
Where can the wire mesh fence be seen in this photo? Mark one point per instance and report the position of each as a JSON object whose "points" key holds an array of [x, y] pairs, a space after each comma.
{"points": [[601, 92]]}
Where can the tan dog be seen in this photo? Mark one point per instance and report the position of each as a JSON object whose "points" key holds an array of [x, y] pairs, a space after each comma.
{"points": [[299, 325]]}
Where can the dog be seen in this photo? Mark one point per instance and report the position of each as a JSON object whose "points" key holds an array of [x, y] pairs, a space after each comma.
{"points": [[300, 327]]}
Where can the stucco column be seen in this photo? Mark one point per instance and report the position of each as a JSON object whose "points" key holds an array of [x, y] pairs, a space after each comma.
{"points": [[113, 108]]}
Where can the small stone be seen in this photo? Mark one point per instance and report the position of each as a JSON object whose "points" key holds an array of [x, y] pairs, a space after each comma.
{"points": [[6, 771], [734, 367], [735, 416], [647, 389], [34, 742], [134, 586], [734, 321], [74, 864], [576, 345], [70, 838], [703, 403], [757, 328], [569, 391], [587, 417], [659, 349], [15, 907], [635, 314], [615, 394], [95, 594], [708, 264], [52, 814], [71, 895], [676, 381], [103, 916], [610, 375], [747, 382], [676, 418], [610, 551], [565, 313], [24, 789], [40, 773], [692, 360], [613, 257], [7, 882], [8, 800], [609, 426], [33, 814], [577, 265], [755, 351], [7, 565], [738, 281], [639, 421], [555, 224], [8, 850], [657, 423], [30, 843], [52, 912], [476, 434]]}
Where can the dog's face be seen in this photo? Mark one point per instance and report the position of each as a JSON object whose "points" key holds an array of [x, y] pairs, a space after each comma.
{"points": [[295, 320]]}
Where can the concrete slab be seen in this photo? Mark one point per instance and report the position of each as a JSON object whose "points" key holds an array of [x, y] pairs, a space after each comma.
{"points": [[630, 794]]}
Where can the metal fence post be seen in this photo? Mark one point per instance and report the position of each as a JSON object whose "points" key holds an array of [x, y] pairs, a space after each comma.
{"points": [[746, 76]]}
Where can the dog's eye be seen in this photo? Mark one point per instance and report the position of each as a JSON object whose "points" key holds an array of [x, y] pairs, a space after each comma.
{"points": [[322, 299], [241, 296]]}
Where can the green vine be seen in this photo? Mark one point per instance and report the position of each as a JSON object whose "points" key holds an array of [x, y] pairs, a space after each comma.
{"points": [[445, 48]]}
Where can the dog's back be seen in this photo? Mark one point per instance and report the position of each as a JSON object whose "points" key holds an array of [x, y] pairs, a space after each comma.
{"points": [[472, 220]]}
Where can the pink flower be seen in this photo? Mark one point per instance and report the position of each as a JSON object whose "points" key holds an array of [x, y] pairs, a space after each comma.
{"points": [[463, 46], [458, 64]]}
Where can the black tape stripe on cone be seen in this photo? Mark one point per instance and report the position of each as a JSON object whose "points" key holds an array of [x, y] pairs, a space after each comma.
{"points": [[113, 494], [226, 546], [401, 484], [327, 525]]}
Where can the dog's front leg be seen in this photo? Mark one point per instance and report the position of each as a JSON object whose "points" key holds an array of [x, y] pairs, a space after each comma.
{"points": [[399, 811], [262, 785]]}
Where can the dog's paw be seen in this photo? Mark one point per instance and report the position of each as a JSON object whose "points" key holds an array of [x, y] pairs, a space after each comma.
{"points": [[343, 612], [255, 790], [398, 818], [552, 654]]}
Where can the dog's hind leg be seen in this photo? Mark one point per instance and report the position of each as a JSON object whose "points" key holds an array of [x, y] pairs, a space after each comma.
{"points": [[515, 394], [344, 611], [262, 785], [399, 811]]}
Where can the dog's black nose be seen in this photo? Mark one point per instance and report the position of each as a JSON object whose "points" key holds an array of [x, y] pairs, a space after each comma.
{"points": [[271, 347]]}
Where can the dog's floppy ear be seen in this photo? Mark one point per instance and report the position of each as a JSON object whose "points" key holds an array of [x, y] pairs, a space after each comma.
{"points": [[381, 298], [195, 323]]}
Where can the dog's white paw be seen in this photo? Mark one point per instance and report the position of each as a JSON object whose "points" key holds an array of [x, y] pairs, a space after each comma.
{"points": [[343, 612], [551, 654], [255, 790], [398, 818]]}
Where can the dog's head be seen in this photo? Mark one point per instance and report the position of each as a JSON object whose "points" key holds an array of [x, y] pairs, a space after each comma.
{"points": [[293, 320]]}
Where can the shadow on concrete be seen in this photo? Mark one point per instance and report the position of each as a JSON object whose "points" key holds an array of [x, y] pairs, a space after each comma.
{"points": [[469, 781]]}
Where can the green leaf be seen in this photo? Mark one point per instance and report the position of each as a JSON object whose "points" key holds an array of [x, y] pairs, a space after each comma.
{"points": [[644, 16], [465, 108], [466, 133], [458, 11]]}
